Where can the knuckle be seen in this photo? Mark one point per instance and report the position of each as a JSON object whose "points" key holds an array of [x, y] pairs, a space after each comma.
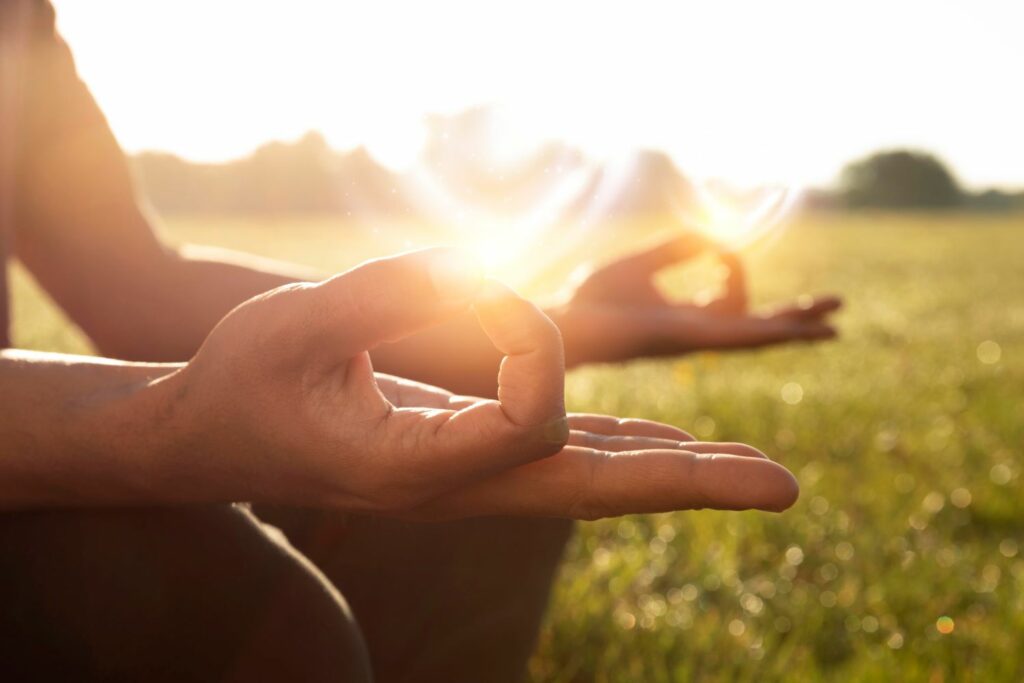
{"points": [[585, 499], [699, 498]]}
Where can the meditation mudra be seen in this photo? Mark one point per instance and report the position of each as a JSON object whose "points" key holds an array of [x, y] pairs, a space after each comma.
{"points": [[259, 475]]}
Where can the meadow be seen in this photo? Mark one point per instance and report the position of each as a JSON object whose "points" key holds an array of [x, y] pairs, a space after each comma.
{"points": [[903, 559]]}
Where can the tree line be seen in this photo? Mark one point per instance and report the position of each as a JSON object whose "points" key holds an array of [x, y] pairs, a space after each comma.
{"points": [[308, 176]]}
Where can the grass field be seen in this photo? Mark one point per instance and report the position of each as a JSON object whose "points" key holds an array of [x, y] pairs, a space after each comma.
{"points": [[903, 559]]}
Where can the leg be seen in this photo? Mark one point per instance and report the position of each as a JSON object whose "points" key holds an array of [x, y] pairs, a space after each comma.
{"points": [[457, 602], [182, 594]]}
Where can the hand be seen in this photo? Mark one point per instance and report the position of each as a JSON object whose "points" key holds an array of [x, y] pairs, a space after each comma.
{"points": [[618, 312], [609, 467], [281, 405]]}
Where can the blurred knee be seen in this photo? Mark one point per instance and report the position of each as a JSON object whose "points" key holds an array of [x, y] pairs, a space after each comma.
{"points": [[183, 593]]}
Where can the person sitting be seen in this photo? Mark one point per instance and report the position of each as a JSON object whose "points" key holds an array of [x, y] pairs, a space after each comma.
{"points": [[126, 553]]}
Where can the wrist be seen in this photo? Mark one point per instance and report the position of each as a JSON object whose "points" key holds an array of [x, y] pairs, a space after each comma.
{"points": [[136, 432]]}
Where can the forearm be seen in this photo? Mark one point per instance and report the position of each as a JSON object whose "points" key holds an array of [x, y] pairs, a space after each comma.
{"points": [[81, 431], [178, 305], [154, 304]]}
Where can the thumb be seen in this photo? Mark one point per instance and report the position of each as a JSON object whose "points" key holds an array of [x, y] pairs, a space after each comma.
{"points": [[531, 380], [734, 296], [389, 298]]}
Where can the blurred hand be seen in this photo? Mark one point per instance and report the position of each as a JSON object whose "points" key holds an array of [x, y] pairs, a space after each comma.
{"points": [[281, 405], [617, 312]]}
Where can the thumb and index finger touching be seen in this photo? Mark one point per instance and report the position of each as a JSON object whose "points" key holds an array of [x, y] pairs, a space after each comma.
{"points": [[386, 299], [647, 262]]}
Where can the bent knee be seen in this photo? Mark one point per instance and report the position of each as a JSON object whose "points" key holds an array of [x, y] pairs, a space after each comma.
{"points": [[185, 593]]}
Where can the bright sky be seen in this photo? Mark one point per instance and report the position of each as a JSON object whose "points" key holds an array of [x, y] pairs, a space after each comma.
{"points": [[766, 91]]}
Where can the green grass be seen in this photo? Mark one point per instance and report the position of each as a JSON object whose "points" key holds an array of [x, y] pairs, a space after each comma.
{"points": [[908, 449]]}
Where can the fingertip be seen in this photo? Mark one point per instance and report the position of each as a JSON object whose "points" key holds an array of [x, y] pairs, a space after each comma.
{"points": [[819, 305], [735, 482], [457, 275], [787, 490], [514, 324], [492, 292], [832, 302], [556, 432], [773, 488]]}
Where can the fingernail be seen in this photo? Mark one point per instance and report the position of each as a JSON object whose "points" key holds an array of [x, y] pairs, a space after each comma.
{"points": [[456, 275], [556, 431]]}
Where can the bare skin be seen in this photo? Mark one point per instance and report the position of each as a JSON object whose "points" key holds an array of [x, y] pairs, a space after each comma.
{"points": [[280, 404]]}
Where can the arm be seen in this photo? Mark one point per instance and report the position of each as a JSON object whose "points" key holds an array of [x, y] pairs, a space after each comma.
{"points": [[79, 430]]}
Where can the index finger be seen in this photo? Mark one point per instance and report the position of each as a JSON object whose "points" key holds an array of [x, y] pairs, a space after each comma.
{"points": [[664, 254], [810, 307]]}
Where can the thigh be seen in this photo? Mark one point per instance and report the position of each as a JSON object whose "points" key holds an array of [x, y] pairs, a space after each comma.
{"points": [[454, 601], [202, 593]]}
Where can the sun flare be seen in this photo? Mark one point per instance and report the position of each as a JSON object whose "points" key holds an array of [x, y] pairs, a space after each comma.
{"points": [[736, 216]]}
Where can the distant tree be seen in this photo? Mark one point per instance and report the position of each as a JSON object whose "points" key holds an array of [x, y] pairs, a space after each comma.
{"points": [[303, 176], [899, 179], [996, 200]]}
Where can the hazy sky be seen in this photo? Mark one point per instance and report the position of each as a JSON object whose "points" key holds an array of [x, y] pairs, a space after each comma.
{"points": [[750, 90]]}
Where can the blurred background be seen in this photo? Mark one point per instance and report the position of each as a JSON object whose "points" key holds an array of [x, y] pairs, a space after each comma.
{"points": [[871, 149]]}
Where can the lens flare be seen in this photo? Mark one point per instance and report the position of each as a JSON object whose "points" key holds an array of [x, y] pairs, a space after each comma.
{"points": [[739, 217], [498, 186], [529, 205]]}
